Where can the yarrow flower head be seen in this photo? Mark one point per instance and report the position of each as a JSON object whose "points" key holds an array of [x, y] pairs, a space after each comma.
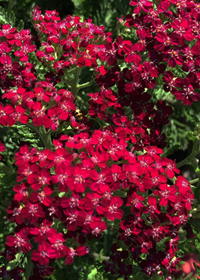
{"points": [[100, 167]]}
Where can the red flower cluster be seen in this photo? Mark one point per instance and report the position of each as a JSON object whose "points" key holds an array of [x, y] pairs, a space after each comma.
{"points": [[89, 176], [172, 37], [157, 208]]}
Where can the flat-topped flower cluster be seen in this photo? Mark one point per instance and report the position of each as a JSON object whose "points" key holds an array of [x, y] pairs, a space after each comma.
{"points": [[88, 178]]}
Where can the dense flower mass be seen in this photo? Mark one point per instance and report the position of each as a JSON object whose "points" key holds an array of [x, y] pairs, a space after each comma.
{"points": [[96, 167], [157, 208]]}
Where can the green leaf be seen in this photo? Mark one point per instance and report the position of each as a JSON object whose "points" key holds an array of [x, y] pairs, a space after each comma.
{"points": [[197, 267], [20, 25], [197, 245], [60, 85]]}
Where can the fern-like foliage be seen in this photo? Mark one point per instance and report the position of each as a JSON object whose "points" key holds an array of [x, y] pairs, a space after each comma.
{"points": [[7, 16], [103, 12]]}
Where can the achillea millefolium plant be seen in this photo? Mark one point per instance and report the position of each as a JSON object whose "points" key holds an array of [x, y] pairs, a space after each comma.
{"points": [[98, 165]]}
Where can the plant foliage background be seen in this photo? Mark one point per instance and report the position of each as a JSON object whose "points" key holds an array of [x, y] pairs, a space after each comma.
{"points": [[179, 132]]}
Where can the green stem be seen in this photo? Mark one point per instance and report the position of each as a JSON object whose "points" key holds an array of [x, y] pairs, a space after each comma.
{"points": [[46, 138], [146, 221], [194, 181], [174, 103], [5, 168], [105, 243], [10, 5], [179, 124], [70, 71], [182, 162], [74, 86], [44, 135], [28, 270], [2, 209], [96, 256], [68, 82], [120, 162], [86, 84], [190, 158], [79, 99], [172, 180], [100, 122]]}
